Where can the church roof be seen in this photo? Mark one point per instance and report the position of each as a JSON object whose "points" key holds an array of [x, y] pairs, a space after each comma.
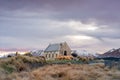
{"points": [[53, 47]]}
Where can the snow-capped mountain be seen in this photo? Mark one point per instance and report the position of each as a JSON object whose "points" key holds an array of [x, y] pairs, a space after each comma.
{"points": [[4, 54], [85, 53], [111, 53], [37, 52]]}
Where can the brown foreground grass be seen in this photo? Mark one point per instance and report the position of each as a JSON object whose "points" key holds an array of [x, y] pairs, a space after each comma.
{"points": [[65, 72]]}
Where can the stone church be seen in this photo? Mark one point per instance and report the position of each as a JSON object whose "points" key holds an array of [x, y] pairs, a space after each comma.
{"points": [[57, 49]]}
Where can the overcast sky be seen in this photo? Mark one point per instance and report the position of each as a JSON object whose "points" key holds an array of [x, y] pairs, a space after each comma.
{"points": [[92, 25]]}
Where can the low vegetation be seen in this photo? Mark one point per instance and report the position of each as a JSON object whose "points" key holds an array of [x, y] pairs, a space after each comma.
{"points": [[64, 58], [36, 68], [20, 63], [66, 72]]}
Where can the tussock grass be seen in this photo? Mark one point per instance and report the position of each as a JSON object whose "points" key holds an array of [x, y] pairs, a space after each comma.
{"points": [[24, 68], [68, 72], [20, 63]]}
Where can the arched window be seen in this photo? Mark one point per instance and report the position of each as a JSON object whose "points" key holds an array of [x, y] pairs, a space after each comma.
{"points": [[46, 55], [56, 55], [49, 55], [52, 55]]}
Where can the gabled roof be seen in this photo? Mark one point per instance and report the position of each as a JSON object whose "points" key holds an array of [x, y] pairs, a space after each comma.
{"points": [[53, 47]]}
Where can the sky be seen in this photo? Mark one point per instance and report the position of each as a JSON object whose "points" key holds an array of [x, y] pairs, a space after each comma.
{"points": [[92, 25]]}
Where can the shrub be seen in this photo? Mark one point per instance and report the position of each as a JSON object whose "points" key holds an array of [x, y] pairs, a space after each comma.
{"points": [[8, 68], [20, 63]]}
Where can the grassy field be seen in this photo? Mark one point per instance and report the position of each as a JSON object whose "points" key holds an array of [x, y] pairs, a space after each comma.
{"points": [[30, 68]]}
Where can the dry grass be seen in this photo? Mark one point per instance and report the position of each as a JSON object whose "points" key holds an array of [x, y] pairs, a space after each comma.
{"points": [[24, 68], [20, 63], [64, 58], [66, 72]]}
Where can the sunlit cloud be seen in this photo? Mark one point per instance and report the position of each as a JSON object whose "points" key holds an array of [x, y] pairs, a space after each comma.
{"points": [[78, 25], [79, 37]]}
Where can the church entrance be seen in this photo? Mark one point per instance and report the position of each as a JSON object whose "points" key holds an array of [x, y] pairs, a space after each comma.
{"points": [[65, 53]]}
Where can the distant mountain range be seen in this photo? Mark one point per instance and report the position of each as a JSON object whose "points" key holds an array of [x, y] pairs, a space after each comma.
{"points": [[115, 53], [85, 53], [14, 49]]}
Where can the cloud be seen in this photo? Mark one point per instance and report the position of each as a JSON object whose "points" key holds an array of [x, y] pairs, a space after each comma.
{"points": [[82, 23]]}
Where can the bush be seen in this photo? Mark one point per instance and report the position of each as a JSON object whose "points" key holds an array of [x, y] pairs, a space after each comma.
{"points": [[8, 68], [20, 63]]}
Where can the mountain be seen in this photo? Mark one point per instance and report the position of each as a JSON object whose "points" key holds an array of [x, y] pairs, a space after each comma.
{"points": [[115, 53], [85, 53], [14, 49], [37, 52]]}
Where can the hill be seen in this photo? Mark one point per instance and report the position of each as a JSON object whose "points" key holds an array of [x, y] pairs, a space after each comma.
{"points": [[113, 53]]}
